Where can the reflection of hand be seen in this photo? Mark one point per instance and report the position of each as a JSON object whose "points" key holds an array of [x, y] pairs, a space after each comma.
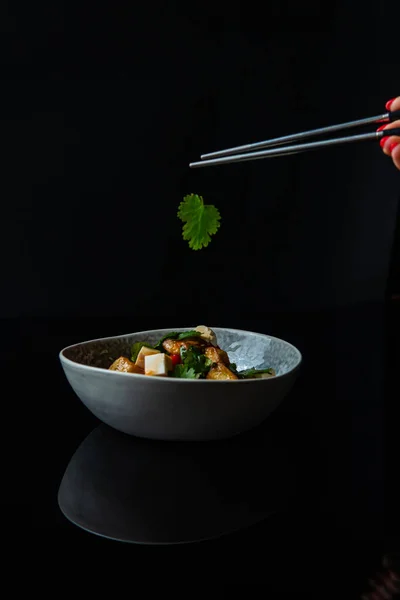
{"points": [[391, 144]]}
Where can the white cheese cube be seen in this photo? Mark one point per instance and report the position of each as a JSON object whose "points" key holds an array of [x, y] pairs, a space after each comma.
{"points": [[142, 354], [157, 364]]}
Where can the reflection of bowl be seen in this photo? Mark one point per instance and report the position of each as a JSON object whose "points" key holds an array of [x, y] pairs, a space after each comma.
{"points": [[145, 491], [181, 409]]}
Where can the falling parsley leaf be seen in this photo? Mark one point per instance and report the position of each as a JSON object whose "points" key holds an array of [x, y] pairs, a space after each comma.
{"points": [[201, 221]]}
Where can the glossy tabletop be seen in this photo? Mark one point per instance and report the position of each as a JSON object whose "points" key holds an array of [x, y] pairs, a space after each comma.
{"points": [[307, 491]]}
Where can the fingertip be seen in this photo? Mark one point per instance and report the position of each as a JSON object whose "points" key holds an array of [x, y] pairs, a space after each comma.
{"points": [[385, 144], [393, 104], [396, 155]]}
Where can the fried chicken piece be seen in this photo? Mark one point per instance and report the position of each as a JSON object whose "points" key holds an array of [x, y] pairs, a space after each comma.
{"points": [[124, 365], [220, 371], [216, 355], [174, 346]]}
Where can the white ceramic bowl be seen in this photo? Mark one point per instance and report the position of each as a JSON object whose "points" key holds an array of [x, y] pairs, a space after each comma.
{"points": [[181, 409]]}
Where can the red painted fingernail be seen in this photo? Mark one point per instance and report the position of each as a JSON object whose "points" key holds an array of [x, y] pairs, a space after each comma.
{"points": [[393, 146], [389, 103], [381, 127], [383, 142]]}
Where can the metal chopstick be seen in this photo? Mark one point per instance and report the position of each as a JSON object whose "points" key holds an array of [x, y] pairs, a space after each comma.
{"points": [[274, 152], [384, 118]]}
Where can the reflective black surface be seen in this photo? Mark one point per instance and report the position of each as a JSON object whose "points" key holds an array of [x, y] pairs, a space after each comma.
{"points": [[145, 491], [313, 483]]}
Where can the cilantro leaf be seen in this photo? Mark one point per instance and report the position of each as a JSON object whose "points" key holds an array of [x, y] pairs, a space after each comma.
{"points": [[253, 373], [169, 336], [193, 358], [233, 368], [184, 335], [136, 348], [176, 335], [200, 221], [184, 372]]}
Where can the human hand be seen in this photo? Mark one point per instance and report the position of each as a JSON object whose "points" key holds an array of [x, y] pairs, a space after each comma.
{"points": [[391, 144]]}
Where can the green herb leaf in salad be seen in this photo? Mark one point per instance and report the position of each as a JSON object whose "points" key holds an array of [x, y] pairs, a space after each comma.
{"points": [[184, 335], [194, 364], [136, 348], [233, 368], [195, 358], [201, 221], [184, 372], [176, 335], [253, 373]]}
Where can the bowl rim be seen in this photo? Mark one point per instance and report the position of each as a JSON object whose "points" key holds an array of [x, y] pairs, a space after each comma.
{"points": [[158, 378]]}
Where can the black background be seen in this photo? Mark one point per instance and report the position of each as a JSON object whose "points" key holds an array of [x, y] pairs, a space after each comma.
{"points": [[103, 109]]}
